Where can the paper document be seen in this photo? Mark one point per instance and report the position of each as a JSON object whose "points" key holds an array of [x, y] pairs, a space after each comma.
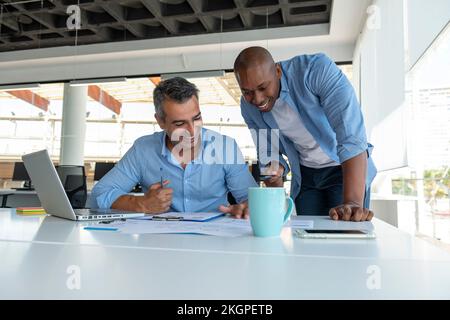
{"points": [[183, 216], [226, 227]]}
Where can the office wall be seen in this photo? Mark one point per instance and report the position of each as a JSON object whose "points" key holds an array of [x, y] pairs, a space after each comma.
{"points": [[379, 78]]}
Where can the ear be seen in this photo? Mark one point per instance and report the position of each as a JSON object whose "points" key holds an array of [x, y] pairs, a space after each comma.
{"points": [[161, 122], [278, 70], [236, 74]]}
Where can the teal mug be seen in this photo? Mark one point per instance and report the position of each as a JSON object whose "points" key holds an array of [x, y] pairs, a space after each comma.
{"points": [[268, 211]]}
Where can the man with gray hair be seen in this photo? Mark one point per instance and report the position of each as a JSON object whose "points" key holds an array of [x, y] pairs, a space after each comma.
{"points": [[183, 168]]}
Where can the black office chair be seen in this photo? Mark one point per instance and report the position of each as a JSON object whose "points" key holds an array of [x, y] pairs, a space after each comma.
{"points": [[73, 179]]}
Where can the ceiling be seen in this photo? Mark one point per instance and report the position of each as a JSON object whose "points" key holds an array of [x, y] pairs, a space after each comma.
{"points": [[30, 24]]}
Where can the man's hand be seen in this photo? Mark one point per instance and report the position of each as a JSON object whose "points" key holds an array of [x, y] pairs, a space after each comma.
{"points": [[238, 211], [350, 212], [157, 199], [275, 170]]}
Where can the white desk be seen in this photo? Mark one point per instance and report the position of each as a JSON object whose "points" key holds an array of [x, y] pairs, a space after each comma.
{"points": [[36, 251], [26, 198]]}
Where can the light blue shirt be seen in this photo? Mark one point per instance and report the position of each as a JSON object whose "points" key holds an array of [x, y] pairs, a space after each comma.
{"points": [[201, 187], [316, 88]]}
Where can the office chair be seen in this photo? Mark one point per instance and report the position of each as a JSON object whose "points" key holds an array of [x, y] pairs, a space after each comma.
{"points": [[73, 179]]}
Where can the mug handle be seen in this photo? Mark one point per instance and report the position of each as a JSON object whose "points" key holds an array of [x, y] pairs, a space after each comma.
{"points": [[289, 209]]}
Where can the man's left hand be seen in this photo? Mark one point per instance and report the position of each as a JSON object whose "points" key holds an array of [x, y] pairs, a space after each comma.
{"points": [[350, 212], [238, 211]]}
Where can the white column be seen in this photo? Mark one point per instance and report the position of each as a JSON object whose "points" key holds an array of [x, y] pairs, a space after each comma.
{"points": [[73, 127]]}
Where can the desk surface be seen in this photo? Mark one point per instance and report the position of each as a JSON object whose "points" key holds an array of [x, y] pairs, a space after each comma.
{"points": [[37, 251]]}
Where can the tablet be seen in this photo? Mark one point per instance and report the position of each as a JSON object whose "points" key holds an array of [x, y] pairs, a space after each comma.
{"points": [[334, 234]]}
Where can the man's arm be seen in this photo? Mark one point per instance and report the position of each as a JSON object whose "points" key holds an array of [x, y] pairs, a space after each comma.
{"points": [[354, 174], [237, 175], [343, 112], [238, 179], [117, 182], [354, 179]]}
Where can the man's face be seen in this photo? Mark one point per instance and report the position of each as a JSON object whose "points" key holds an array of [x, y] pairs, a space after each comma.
{"points": [[260, 85], [183, 122]]}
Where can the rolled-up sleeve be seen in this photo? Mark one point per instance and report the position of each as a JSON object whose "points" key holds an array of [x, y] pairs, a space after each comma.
{"points": [[341, 106], [118, 181], [238, 176]]}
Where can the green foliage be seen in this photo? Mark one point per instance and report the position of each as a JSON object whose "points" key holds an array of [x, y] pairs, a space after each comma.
{"points": [[435, 184]]}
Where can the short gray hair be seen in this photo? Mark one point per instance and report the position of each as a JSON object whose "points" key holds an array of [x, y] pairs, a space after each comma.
{"points": [[177, 89]]}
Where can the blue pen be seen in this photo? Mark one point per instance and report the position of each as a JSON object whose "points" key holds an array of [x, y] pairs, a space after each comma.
{"points": [[162, 184], [101, 229]]}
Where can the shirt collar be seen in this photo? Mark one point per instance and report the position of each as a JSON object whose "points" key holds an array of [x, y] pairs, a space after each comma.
{"points": [[284, 84]]}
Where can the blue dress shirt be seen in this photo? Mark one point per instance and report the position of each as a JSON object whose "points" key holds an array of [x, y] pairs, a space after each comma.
{"points": [[316, 88], [201, 187]]}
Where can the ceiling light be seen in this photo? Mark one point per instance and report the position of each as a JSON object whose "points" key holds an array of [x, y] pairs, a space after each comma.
{"points": [[195, 74], [15, 87], [86, 82]]}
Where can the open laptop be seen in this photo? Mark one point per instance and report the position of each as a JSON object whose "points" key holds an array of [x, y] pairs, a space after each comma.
{"points": [[54, 199]]}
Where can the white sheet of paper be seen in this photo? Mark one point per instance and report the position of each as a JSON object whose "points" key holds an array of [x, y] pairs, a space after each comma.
{"points": [[227, 227]]}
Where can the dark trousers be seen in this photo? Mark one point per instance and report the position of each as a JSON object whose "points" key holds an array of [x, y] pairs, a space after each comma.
{"points": [[321, 190]]}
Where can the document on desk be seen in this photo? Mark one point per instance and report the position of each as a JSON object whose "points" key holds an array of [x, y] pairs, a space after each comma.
{"points": [[224, 227], [183, 216]]}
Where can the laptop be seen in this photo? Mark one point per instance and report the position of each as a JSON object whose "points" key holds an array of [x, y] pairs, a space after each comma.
{"points": [[54, 199]]}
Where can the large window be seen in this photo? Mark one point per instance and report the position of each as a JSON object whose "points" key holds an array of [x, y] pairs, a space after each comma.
{"points": [[425, 181]]}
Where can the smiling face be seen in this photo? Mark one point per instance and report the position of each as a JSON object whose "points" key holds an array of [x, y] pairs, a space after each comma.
{"points": [[258, 77], [182, 122]]}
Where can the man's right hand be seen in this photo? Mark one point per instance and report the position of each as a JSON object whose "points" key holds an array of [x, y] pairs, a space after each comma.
{"points": [[275, 170], [156, 199]]}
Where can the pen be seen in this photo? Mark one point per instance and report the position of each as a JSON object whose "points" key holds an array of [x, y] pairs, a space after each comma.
{"points": [[167, 218], [162, 185], [100, 229]]}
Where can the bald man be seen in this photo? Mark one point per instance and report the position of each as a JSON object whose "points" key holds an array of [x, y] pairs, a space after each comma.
{"points": [[320, 129]]}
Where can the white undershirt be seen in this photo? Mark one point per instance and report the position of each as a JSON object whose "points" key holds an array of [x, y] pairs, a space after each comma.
{"points": [[292, 127]]}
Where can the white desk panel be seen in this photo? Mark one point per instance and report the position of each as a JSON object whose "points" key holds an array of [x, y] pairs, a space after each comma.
{"points": [[36, 251], [390, 243], [39, 271]]}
